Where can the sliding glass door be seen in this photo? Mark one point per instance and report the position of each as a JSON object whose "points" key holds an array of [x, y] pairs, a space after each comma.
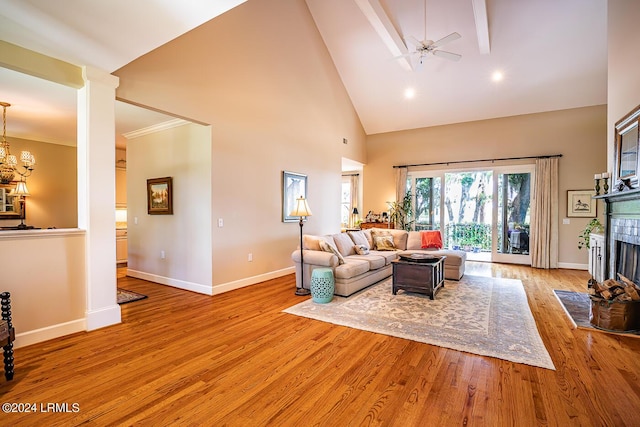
{"points": [[484, 212]]}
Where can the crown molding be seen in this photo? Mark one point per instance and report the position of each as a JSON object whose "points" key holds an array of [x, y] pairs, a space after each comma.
{"points": [[155, 128]]}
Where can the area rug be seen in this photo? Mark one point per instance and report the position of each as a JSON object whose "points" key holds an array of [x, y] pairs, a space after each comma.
{"points": [[125, 296], [479, 315], [577, 306]]}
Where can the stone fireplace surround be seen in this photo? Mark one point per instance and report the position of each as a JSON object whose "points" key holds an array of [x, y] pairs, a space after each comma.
{"points": [[622, 224]]}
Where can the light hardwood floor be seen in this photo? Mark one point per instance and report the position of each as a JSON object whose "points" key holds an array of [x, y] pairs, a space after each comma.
{"points": [[235, 359]]}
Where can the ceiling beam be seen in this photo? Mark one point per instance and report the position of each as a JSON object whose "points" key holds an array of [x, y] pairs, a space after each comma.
{"points": [[380, 22], [482, 25]]}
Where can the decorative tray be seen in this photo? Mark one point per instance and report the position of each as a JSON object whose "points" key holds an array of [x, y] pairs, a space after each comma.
{"points": [[418, 257]]}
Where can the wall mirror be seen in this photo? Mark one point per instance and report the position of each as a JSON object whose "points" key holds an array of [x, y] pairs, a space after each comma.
{"points": [[626, 155], [10, 205]]}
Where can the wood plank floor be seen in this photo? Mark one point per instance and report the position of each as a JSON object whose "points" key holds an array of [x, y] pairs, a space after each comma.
{"points": [[181, 358]]}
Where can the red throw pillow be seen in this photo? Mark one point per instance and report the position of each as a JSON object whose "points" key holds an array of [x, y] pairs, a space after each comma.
{"points": [[431, 239]]}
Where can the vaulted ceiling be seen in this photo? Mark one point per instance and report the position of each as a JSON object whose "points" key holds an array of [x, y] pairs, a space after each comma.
{"points": [[552, 54]]}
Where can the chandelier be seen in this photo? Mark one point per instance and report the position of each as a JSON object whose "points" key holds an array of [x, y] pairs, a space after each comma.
{"points": [[8, 162]]}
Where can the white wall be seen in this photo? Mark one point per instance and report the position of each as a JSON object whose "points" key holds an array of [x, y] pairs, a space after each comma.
{"points": [[183, 153]]}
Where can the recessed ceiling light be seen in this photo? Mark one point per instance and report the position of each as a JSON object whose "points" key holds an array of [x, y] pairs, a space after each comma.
{"points": [[497, 76], [409, 93]]}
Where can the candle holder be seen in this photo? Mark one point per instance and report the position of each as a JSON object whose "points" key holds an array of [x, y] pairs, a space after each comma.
{"points": [[597, 180], [605, 186]]}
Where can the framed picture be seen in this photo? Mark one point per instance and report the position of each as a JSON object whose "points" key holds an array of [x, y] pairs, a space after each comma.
{"points": [[294, 185], [160, 196], [580, 203]]}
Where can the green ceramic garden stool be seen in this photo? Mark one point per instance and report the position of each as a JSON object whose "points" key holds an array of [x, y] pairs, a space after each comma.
{"points": [[322, 285]]}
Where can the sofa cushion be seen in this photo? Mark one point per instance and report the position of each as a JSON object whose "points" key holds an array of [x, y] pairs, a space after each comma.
{"points": [[352, 267], [359, 238], [327, 247], [387, 255], [375, 261], [399, 238], [344, 244], [414, 241]]}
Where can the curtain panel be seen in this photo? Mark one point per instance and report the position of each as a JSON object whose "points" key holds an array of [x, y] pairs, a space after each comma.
{"points": [[544, 227]]}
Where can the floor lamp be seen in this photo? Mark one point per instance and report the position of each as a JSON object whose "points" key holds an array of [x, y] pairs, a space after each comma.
{"points": [[301, 210]]}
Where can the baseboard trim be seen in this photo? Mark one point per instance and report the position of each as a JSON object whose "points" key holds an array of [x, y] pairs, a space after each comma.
{"points": [[180, 284], [214, 290], [237, 284], [573, 266], [50, 332]]}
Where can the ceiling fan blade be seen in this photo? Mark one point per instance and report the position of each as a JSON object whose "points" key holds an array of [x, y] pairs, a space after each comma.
{"points": [[451, 37], [448, 55]]}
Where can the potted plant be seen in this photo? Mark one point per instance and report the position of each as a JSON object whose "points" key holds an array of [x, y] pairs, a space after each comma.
{"points": [[594, 226], [400, 212]]}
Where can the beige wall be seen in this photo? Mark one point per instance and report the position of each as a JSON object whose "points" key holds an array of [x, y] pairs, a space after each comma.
{"points": [[183, 153], [52, 185], [44, 271], [275, 102], [578, 134], [623, 90]]}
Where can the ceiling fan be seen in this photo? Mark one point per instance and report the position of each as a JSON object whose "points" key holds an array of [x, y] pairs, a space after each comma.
{"points": [[425, 47]]}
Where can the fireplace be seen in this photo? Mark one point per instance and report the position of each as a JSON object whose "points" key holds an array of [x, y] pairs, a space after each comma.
{"points": [[627, 255], [623, 234]]}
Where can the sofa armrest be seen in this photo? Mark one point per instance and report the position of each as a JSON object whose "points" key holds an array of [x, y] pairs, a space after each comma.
{"points": [[326, 259]]}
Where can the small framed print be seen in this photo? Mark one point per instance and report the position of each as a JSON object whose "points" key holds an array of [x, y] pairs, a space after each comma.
{"points": [[294, 185], [580, 203], [160, 196]]}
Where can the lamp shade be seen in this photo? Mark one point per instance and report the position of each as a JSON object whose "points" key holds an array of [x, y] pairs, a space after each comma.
{"points": [[21, 189], [302, 208], [355, 211]]}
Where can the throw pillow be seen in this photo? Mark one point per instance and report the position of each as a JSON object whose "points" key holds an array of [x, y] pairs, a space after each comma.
{"points": [[328, 248], [431, 239], [359, 238], [384, 243], [361, 249]]}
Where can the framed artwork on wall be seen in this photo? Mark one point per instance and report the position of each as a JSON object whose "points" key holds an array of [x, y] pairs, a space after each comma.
{"points": [[580, 203], [160, 196], [294, 185]]}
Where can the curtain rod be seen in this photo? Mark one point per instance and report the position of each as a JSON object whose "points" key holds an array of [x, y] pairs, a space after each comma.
{"points": [[351, 174], [477, 161]]}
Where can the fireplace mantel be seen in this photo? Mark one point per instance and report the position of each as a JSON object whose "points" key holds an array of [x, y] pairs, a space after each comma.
{"points": [[620, 196]]}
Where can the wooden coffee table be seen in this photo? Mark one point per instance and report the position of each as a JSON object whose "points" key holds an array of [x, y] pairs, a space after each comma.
{"points": [[418, 275]]}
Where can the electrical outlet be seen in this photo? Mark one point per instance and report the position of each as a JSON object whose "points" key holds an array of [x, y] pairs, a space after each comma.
{"points": [[135, 220], [162, 255], [250, 257], [220, 222], [566, 221]]}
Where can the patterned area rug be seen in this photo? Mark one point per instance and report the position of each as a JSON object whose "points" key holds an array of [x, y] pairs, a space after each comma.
{"points": [[125, 296], [480, 315]]}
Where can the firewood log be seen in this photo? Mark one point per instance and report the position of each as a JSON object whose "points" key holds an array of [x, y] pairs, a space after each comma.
{"points": [[628, 282]]}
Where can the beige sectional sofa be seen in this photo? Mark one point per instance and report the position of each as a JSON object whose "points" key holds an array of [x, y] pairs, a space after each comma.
{"points": [[353, 271]]}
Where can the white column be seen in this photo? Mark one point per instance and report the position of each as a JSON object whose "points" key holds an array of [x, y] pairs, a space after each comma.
{"points": [[96, 194]]}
